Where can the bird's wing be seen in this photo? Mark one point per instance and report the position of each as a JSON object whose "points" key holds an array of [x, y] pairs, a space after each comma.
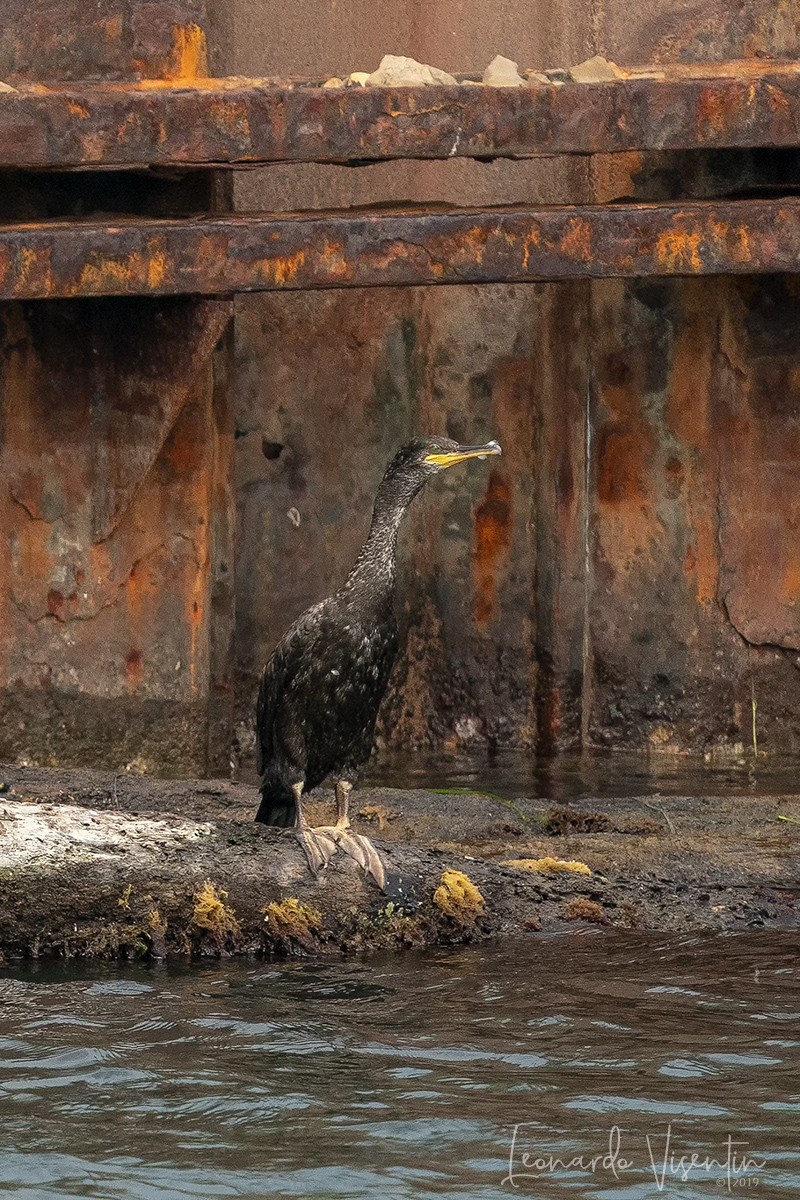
{"points": [[278, 673]]}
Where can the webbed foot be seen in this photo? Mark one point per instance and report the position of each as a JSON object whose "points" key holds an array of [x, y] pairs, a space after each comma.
{"points": [[318, 846], [358, 847]]}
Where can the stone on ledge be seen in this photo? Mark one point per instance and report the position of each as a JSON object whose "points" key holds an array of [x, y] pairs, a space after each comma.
{"points": [[502, 72], [397, 71], [596, 70]]}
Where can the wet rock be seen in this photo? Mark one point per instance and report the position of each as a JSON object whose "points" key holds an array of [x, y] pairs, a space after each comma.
{"points": [[92, 867], [333, 82], [398, 71], [502, 72], [596, 70]]}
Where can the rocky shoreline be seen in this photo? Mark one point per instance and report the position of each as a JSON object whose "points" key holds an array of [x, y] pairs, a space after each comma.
{"points": [[122, 866]]}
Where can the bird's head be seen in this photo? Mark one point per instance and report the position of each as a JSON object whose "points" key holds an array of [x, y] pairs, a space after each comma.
{"points": [[424, 457]]}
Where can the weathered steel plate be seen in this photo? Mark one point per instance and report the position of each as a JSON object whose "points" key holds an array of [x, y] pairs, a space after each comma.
{"points": [[249, 121], [379, 248]]}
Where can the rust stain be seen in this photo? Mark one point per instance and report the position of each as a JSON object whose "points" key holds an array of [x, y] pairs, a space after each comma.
{"points": [[103, 273], [577, 241], [284, 270], [790, 585], [706, 560], [778, 100], [189, 53], [629, 529], [156, 269], [532, 242], [679, 250], [134, 666], [55, 604], [78, 110], [335, 260], [232, 116], [493, 535], [621, 460]]}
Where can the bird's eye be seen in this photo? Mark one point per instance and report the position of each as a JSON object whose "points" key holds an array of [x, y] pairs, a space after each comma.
{"points": [[435, 450]]}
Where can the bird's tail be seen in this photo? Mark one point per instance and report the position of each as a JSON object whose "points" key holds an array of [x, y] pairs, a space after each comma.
{"points": [[276, 807]]}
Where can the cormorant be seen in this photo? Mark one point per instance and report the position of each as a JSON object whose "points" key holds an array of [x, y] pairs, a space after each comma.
{"points": [[323, 685]]}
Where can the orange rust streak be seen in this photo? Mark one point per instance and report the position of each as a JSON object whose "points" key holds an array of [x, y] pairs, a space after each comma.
{"points": [[790, 586], [678, 249], [577, 241], [189, 53], [493, 533]]}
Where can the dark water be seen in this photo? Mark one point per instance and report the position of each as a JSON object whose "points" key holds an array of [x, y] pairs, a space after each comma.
{"points": [[571, 778], [405, 1077]]}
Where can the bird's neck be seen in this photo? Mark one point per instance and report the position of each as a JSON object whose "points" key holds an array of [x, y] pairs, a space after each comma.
{"points": [[375, 565]]}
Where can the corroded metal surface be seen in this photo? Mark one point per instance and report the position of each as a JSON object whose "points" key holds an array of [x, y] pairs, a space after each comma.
{"points": [[694, 576], [250, 121], [369, 249], [108, 39], [114, 550], [631, 577], [330, 385]]}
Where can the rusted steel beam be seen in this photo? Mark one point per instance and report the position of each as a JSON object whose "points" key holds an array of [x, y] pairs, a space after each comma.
{"points": [[379, 248], [229, 121]]}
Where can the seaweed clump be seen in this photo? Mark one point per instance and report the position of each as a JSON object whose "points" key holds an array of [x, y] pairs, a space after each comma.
{"points": [[458, 897], [213, 916], [291, 924], [581, 909], [548, 865]]}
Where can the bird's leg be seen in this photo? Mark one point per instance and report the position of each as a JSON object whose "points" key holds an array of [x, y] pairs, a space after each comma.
{"points": [[355, 844], [318, 845]]}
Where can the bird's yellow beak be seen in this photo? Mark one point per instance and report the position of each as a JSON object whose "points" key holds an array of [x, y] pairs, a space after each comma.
{"points": [[449, 458]]}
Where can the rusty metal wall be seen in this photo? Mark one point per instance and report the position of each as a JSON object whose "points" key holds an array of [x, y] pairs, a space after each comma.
{"points": [[116, 439], [113, 455], [53, 40], [625, 577]]}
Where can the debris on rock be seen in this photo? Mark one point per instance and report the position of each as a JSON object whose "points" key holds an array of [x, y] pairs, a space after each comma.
{"points": [[536, 77], [572, 820], [379, 813], [502, 72], [6, 87], [581, 909], [358, 79], [333, 82], [558, 76], [398, 71], [596, 70]]}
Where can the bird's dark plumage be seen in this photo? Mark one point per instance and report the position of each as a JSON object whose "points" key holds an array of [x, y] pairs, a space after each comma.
{"points": [[322, 687]]}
